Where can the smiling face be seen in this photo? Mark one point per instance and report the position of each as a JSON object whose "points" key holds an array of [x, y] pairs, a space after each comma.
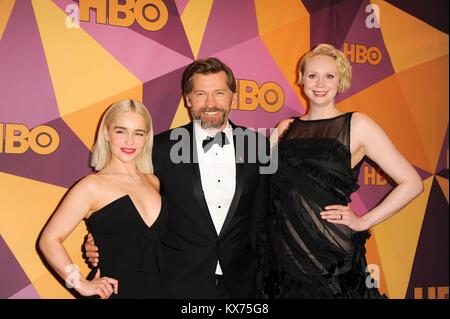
{"points": [[210, 100], [321, 80], [127, 136]]}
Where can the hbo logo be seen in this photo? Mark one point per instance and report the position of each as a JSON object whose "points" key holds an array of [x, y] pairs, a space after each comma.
{"points": [[270, 96], [151, 15], [41, 139], [358, 53]]}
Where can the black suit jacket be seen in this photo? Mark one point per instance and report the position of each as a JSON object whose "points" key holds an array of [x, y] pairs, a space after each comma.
{"points": [[191, 245]]}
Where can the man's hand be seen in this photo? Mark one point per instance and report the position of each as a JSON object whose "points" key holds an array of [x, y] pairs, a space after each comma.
{"points": [[91, 250]]}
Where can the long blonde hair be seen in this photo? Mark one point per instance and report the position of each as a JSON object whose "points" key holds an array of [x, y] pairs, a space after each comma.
{"points": [[101, 153], [343, 66]]}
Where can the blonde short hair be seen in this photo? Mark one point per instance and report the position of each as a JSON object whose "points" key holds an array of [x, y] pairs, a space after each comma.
{"points": [[101, 153], [343, 66]]}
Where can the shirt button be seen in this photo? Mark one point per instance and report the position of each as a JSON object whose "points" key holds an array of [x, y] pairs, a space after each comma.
{"points": [[218, 180], [220, 206]]}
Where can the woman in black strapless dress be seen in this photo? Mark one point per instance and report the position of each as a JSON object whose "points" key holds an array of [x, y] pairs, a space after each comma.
{"points": [[317, 242], [130, 249], [123, 210]]}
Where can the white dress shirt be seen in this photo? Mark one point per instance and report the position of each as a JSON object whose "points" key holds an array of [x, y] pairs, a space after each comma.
{"points": [[218, 176]]}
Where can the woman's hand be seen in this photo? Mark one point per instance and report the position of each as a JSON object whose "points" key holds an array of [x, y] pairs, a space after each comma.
{"points": [[101, 286], [340, 214]]}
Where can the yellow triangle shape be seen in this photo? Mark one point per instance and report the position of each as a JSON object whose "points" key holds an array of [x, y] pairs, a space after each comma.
{"points": [[287, 53], [82, 71], [181, 116], [49, 288], [388, 95], [26, 207], [6, 7], [373, 258], [272, 15], [195, 18], [427, 103], [85, 122], [443, 182], [409, 40], [397, 239]]}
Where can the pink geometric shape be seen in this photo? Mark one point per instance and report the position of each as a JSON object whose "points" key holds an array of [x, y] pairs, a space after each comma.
{"points": [[371, 195], [246, 60], [331, 20], [181, 5], [230, 22], [65, 166], [144, 57], [12, 276], [26, 88], [26, 293], [357, 205], [172, 35], [162, 96]]}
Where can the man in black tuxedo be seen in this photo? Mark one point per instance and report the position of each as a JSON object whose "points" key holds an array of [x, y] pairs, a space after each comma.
{"points": [[212, 176], [218, 196]]}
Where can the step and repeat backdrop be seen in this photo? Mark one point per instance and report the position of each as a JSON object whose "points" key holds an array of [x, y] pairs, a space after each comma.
{"points": [[63, 62]]}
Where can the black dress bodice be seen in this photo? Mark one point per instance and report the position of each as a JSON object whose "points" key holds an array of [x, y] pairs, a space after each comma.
{"points": [[311, 257], [130, 251]]}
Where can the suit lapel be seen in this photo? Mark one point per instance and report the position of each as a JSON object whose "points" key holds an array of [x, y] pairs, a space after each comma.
{"points": [[239, 184], [196, 178]]}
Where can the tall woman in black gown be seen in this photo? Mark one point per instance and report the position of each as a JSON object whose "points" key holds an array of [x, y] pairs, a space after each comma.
{"points": [[317, 240], [122, 208]]}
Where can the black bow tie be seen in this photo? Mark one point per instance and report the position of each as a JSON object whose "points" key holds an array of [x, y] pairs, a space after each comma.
{"points": [[220, 139]]}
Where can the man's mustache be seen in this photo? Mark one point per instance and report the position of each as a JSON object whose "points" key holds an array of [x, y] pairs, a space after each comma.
{"points": [[215, 109]]}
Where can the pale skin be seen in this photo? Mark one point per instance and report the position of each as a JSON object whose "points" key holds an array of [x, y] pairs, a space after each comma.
{"points": [[120, 177], [367, 138], [210, 102]]}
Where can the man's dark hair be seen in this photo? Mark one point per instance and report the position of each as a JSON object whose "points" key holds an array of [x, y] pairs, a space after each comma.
{"points": [[206, 66]]}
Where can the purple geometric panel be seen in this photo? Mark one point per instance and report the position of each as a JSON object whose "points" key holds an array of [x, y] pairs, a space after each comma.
{"points": [[433, 12], [162, 96], [181, 5], [431, 263], [442, 168], [66, 165], [366, 74], [423, 174], [331, 24], [371, 194], [144, 57], [26, 88], [26, 293], [172, 35], [246, 60], [314, 5], [12, 276], [357, 205], [226, 30]]}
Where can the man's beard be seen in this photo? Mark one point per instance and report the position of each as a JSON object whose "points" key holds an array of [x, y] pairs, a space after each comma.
{"points": [[209, 122]]}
